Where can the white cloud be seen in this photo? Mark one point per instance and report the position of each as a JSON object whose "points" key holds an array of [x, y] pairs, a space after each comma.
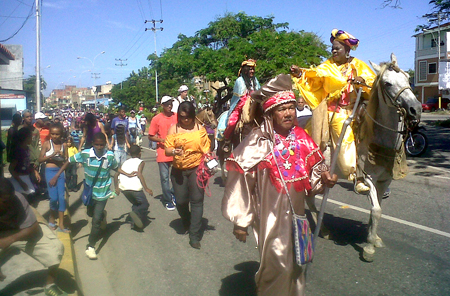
{"points": [[119, 25], [61, 4]]}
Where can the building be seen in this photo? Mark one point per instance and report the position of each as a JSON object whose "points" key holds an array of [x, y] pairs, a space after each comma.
{"points": [[76, 97], [12, 96], [427, 57]]}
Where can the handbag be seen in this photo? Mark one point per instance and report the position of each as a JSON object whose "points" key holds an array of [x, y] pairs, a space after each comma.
{"points": [[86, 195], [301, 232]]}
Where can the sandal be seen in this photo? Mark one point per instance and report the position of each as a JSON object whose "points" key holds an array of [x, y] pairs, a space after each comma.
{"points": [[52, 226], [65, 230]]}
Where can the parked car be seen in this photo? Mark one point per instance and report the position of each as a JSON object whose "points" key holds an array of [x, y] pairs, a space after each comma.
{"points": [[432, 104]]}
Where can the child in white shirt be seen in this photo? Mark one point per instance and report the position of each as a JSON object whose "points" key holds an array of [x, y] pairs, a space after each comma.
{"points": [[132, 184]]}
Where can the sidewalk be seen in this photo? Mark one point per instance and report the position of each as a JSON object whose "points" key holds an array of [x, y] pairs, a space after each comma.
{"points": [[26, 276]]}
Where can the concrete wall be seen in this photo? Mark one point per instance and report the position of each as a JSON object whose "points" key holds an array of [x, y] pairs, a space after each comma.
{"points": [[11, 76]]}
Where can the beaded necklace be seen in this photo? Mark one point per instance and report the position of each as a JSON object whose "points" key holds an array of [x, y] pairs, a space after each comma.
{"points": [[284, 149]]}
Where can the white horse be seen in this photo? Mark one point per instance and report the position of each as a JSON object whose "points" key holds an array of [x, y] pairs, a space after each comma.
{"points": [[381, 154]]}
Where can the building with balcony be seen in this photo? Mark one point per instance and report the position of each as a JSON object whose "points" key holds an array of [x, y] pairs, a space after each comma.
{"points": [[428, 54]]}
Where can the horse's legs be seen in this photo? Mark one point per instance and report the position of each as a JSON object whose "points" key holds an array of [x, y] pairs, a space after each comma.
{"points": [[310, 201], [375, 196]]}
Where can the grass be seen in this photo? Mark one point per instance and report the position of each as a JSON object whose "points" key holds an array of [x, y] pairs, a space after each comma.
{"points": [[4, 136]]}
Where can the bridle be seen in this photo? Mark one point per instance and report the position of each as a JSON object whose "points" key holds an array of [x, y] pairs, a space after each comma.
{"points": [[392, 99]]}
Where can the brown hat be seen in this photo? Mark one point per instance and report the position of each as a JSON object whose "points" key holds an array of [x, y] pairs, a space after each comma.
{"points": [[275, 92]]}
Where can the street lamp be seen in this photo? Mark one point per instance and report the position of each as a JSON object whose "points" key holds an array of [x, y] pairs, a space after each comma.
{"points": [[95, 74]]}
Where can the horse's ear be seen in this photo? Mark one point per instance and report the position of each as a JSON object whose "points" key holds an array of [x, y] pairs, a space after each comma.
{"points": [[394, 59], [376, 67]]}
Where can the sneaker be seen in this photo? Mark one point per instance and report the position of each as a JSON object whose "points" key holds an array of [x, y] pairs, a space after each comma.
{"points": [[173, 200], [170, 207], [54, 290], [104, 222], [387, 193], [90, 253], [137, 221]]}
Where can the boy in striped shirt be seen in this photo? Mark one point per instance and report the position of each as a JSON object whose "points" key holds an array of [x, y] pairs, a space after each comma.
{"points": [[91, 159]]}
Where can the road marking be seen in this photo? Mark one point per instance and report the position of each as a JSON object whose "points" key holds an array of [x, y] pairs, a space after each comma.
{"points": [[387, 217]]}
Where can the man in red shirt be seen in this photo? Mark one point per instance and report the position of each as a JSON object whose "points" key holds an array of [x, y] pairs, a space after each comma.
{"points": [[157, 132]]}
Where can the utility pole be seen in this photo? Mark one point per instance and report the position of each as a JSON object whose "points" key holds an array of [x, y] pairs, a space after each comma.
{"points": [[95, 76], [38, 57], [121, 65], [154, 29]]}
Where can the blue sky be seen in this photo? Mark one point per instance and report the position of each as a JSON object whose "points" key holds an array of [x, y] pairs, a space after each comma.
{"points": [[85, 28]]}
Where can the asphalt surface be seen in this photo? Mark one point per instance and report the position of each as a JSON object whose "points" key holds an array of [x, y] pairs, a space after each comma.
{"points": [[159, 261]]}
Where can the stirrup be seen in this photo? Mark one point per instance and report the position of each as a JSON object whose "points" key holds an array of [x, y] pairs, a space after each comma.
{"points": [[226, 147]]}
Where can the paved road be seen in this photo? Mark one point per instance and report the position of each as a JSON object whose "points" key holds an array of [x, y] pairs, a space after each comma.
{"points": [[159, 261]]}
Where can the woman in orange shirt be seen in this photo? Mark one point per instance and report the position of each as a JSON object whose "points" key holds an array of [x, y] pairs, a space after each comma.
{"points": [[187, 142]]}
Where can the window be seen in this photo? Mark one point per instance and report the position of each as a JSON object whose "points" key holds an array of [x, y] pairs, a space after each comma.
{"points": [[432, 68], [422, 71]]}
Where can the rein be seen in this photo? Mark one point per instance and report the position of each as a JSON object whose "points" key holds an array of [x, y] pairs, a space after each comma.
{"points": [[393, 101]]}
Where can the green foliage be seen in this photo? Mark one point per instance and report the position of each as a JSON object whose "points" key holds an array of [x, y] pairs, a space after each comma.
{"points": [[216, 53], [29, 85]]}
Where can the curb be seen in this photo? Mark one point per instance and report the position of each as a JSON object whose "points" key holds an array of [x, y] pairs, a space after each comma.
{"points": [[68, 261]]}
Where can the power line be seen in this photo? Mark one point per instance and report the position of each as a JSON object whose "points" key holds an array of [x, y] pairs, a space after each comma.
{"points": [[139, 32], [141, 10], [151, 10], [25, 21]]}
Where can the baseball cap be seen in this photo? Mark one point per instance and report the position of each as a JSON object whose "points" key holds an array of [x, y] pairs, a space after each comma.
{"points": [[166, 99], [183, 88], [40, 115]]}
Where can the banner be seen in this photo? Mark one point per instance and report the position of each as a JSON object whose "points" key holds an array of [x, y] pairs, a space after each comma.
{"points": [[444, 75]]}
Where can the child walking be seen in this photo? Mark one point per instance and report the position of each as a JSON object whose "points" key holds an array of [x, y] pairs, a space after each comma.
{"points": [[93, 159], [54, 154], [131, 182], [71, 171]]}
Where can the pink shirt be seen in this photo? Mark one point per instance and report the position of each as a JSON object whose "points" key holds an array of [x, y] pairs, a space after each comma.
{"points": [[159, 126]]}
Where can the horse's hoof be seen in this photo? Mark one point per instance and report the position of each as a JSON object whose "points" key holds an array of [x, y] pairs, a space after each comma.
{"points": [[379, 243], [369, 253]]}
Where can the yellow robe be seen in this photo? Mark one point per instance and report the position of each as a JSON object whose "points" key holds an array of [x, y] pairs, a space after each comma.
{"points": [[328, 82]]}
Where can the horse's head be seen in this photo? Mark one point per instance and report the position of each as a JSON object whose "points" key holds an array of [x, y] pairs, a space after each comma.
{"points": [[207, 117], [395, 87]]}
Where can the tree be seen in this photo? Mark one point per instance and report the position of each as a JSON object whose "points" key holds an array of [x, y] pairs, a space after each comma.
{"points": [[29, 85], [217, 51]]}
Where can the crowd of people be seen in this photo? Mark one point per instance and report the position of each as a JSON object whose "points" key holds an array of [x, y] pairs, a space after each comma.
{"points": [[270, 173]]}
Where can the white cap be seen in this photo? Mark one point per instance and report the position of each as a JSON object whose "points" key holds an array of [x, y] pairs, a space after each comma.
{"points": [[165, 99], [183, 88], [40, 115]]}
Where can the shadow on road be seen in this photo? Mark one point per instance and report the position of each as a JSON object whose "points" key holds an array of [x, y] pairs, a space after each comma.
{"points": [[241, 283]]}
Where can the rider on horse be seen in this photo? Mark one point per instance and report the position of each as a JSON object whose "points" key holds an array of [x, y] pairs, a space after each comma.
{"points": [[240, 102], [329, 90]]}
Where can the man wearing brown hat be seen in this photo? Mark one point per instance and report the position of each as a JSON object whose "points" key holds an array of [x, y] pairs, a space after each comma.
{"points": [[271, 172]]}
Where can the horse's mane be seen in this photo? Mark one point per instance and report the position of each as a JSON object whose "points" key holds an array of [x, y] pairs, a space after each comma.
{"points": [[366, 131]]}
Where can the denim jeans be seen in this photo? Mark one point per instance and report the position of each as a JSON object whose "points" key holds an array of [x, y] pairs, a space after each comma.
{"points": [[139, 202], [187, 192], [120, 156], [95, 210], [167, 191]]}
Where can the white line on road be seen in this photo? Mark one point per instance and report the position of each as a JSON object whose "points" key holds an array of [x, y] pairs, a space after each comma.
{"points": [[418, 226]]}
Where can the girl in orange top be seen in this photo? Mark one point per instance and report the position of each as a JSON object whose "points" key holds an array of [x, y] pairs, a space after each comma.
{"points": [[187, 142]]}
